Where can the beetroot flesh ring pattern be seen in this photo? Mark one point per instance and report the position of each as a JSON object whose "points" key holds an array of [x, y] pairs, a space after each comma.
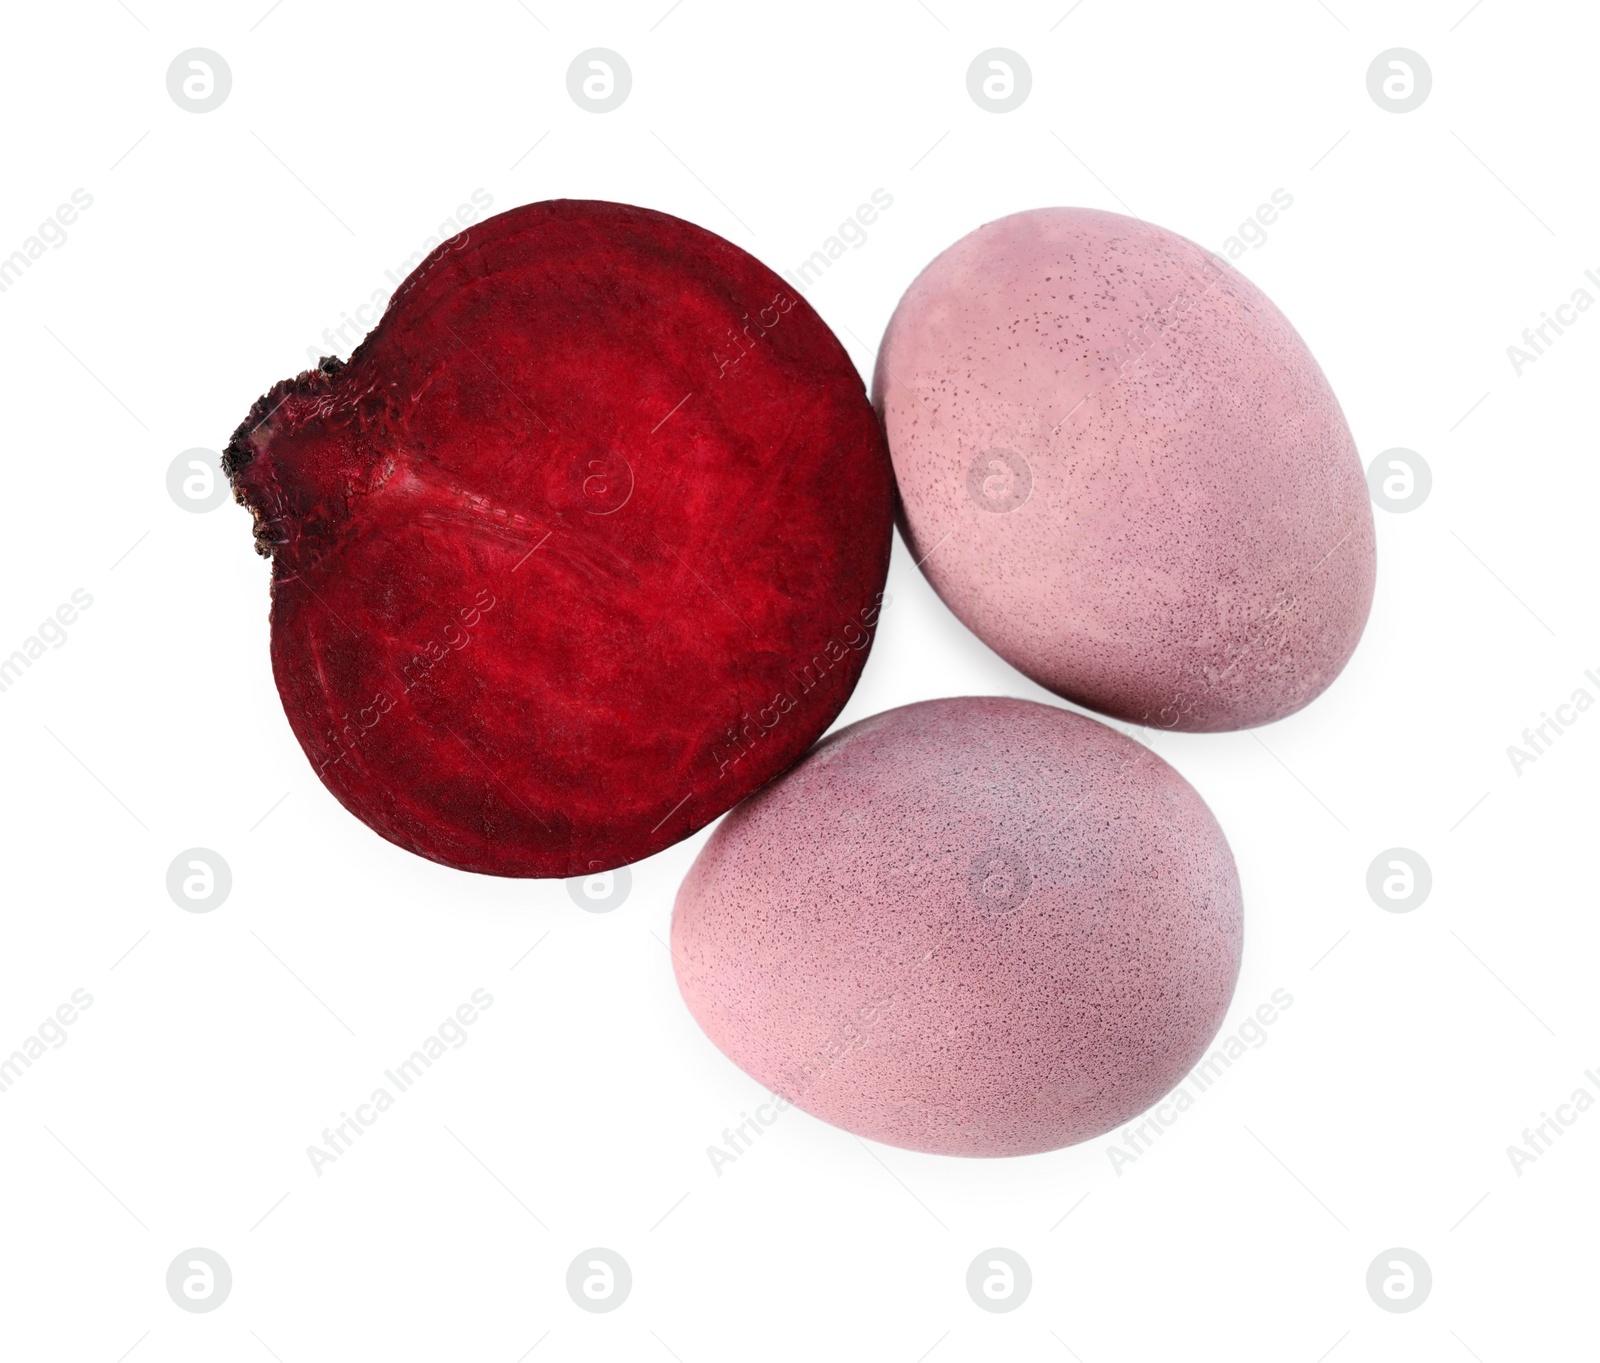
{"points": [[585, 543]]}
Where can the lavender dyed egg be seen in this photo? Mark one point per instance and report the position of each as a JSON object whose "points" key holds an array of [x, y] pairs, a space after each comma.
{"points": [[971, 927], [1124, 471]]}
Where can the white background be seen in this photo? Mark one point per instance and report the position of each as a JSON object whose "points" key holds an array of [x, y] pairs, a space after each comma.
{"points": [[219, 1045]]}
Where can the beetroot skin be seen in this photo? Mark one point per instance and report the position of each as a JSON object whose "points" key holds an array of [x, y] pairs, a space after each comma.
{"points": [[585, 543]]}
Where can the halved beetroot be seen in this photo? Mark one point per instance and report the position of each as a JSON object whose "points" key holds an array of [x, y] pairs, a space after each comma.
{"points": [[585, 543]]}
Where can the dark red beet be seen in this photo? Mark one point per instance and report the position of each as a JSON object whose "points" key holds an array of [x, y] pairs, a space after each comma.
{"points": [[585, 543]]}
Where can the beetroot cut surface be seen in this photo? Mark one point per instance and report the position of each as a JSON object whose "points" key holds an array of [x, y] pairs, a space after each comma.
{"points": [[585, 543]]}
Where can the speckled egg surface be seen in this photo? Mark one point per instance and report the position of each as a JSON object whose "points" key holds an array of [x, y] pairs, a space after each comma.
{"points": [[1124, 471], [976, 926]]}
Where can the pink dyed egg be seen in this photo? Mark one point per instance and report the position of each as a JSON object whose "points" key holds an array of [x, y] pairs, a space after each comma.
{"points": [[1124, 471], [971, 927]]}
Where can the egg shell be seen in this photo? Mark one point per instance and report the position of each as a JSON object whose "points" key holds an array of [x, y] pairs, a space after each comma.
{"points": [[1122, 468], [975, 926]]}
